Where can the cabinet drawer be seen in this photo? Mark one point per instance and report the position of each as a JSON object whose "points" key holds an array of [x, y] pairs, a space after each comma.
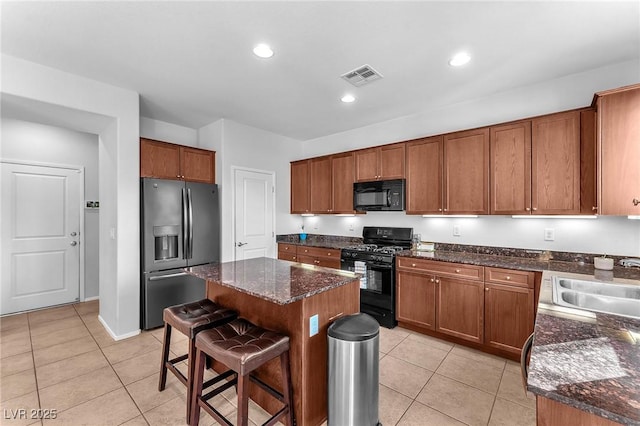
{"points": [[458, 270], [287, 248], [510, 277], [285, 255], [319, 252]]}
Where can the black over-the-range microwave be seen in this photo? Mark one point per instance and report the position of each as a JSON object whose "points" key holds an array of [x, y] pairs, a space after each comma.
{"points": [[381, 195]]}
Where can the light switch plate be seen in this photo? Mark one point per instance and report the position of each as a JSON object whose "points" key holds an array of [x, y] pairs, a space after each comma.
{"points": [[456, 230], [313, 325]]}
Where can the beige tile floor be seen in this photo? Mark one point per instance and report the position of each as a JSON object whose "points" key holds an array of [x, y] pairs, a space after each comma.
{"points": [[62, 359]]}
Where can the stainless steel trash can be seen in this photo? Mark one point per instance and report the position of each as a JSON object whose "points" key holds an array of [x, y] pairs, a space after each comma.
{"points": [[353, 371]]}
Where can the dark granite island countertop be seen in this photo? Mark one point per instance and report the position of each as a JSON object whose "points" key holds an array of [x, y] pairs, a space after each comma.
{"points": [[273, 280], [586, 360], [295, 299]]}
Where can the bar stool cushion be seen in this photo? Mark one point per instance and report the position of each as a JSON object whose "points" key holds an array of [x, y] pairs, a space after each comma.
{"points": [[241, 345], [191, 318]]}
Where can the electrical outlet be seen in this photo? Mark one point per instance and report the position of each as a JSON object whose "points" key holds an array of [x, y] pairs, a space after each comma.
{"points": [[351, 228], [456, 230], [313, 325], [549, 234]]}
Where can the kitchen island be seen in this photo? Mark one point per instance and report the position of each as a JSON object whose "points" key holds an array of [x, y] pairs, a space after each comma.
{"points": [[283, 296], [585, 366]]}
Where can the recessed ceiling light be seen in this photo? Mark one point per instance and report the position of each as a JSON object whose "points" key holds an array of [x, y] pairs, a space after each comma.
{"points": [[459, 59], [263, 51], [348, 98]]}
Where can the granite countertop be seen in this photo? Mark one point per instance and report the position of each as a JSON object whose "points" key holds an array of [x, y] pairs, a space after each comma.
{"points": [[523, 263], [586, 360], [277, 281]]}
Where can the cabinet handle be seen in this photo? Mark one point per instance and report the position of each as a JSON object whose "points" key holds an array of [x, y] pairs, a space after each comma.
{"points": [[294, 258], [446, 210], [439, 210], [486, 289], [534, 209], [527, 208], [437, 281], [178, 176], [328, 254], [413, 265], [508, 277], [635, 201], [594, 208], [432, 280], [457, 271], [286, 248]]}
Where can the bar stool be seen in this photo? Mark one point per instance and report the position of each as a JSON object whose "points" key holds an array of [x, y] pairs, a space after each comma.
{"points": [[189, 319], [242, 347]]}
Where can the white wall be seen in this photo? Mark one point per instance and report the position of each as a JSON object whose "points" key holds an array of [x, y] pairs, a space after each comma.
{"points": [[117, 122], [33, 142], [612, 235], [245, 146], [168, 132], [604, 235]]}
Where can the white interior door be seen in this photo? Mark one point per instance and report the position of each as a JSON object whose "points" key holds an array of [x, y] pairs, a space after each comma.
{"points": [[254, 214], [40, 229]]}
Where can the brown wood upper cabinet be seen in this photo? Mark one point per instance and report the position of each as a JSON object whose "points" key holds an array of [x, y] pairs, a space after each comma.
{"points": [[535, 166], [466, 172], [510, 168], [424, 175], [323, 185], [555, 164], [300, 187], [170, 161], [380, 163], [618, 135]]}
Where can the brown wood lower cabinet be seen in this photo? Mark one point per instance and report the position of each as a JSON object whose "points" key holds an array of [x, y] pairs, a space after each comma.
{"points": [[492, 307], [319, 256], [551, 413], [460, 308], [509, 310], [416, 299]]}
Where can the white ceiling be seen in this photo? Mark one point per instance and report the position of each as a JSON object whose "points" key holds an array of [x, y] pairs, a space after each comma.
{"points": [[192, 62]]}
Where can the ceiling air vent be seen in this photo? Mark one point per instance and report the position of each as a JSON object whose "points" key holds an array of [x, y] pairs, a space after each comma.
{"points": [[362, 75]]}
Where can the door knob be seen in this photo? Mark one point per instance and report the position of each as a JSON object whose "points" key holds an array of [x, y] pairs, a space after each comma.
{"points": [[241, 244], [73, 234], [74, 243]]}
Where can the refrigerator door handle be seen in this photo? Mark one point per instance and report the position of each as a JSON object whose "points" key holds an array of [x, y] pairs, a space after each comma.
{"points": [[164, 277], [190, 224], [185, 224]]}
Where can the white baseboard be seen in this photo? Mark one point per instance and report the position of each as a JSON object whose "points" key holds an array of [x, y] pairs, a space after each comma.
{"points": [[113, 335], [89, 299]]}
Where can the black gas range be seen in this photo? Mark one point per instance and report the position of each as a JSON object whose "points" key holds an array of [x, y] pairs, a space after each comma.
{"points": [[375, 260]]}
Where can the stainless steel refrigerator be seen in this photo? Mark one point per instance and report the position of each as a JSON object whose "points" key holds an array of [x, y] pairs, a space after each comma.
{"points": [[180, 226]]}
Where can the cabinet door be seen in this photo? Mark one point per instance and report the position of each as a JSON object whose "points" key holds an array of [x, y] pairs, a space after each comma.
{"points": [[466, 172], [300, 187], [555, 164], [392, 162], [309, 260], [460, 308], [320, 184], [367, 164], [197, 165], [159, 159], [342, 178], [510, 169], [619, 144], [588, 163], [508, 316], [424, 176], [416, 299]]}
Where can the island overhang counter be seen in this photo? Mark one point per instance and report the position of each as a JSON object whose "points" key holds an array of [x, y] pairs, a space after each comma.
{"points": [[286, 297]]}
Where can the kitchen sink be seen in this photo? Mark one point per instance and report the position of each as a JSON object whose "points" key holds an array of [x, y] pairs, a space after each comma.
{"points": [[610, 298]]}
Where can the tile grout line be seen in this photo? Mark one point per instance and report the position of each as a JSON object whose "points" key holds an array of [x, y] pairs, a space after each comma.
{"points": [[116, 374]]}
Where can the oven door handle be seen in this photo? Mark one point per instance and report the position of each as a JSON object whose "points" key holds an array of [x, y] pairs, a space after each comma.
{"points": [[379, 265]]}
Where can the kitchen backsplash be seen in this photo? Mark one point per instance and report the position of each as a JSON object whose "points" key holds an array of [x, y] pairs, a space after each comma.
{"points": [[544, 255]]}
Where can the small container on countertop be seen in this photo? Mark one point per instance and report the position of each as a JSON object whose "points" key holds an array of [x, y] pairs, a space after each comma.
{"points": [[604, 263]]}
